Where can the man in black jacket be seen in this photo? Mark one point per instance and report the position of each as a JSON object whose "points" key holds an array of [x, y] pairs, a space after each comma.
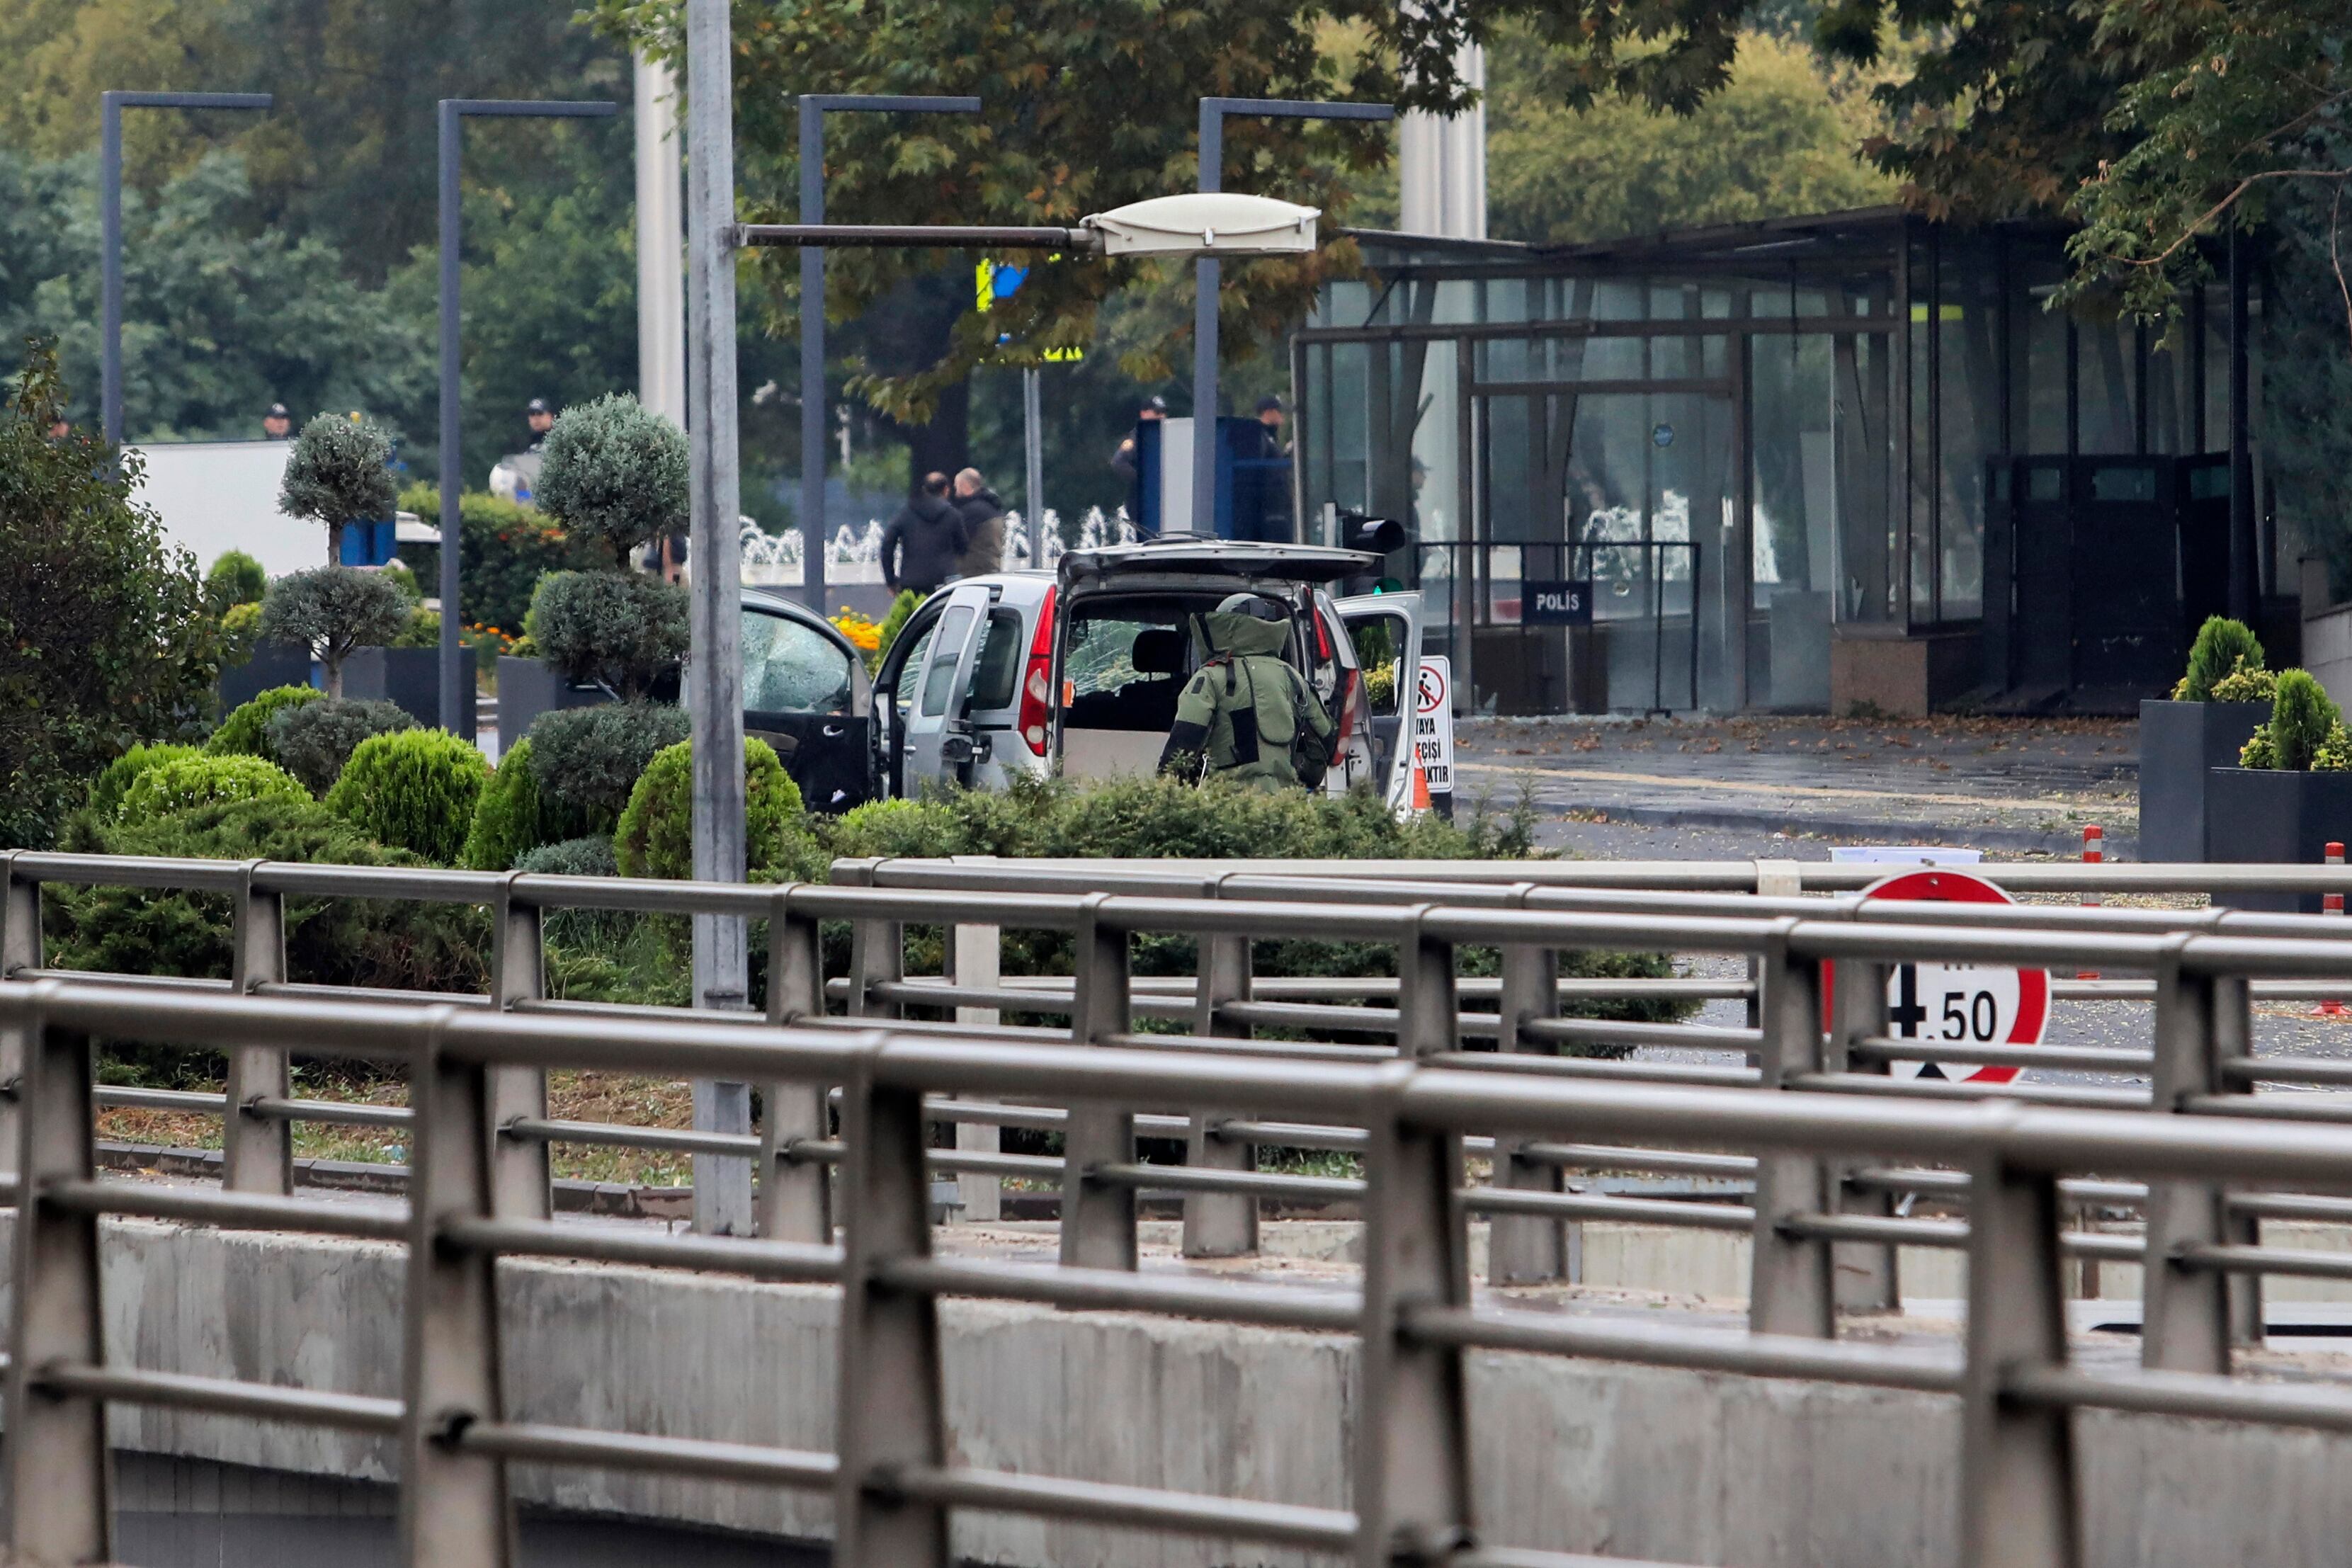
{"points": [[925, 542], [983, 522]]}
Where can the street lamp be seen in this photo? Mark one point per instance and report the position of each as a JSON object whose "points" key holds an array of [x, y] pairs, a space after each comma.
{"points": [[815, 107], [110, 106], [455, 112], [1213, 111]]}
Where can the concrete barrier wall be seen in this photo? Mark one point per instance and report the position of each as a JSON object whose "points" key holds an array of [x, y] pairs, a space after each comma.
{"points": [[1581, 1456]]}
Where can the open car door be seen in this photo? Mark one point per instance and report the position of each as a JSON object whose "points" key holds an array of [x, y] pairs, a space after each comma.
{"points": [[1386, 630], [804, 694], [939, 744]]}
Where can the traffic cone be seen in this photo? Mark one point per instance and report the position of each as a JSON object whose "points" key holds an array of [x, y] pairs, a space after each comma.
{"points": [[2095, 851], [1420, 787], [2332, 904]]}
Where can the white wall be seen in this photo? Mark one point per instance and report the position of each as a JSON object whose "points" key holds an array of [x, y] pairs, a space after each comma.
{"points": [[215, 496]]}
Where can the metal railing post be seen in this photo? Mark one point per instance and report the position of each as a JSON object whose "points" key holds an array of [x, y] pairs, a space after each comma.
{"points": [[890, 1411], [20, 948], [791, 1196], [256, 1152], [2019, 1502], [2188, 1323], [522, 1182], [456, 1509], [976, 957], [1867, 1275], [1099, 1218], [1219, 1225], [1791, 1289], [877, 952], [1412, 1433], [1529, 1250], [1429, 1012], [61, 1472]]}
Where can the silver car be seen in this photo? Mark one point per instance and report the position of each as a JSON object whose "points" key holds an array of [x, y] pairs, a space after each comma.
{"points": [[1079, 669]]}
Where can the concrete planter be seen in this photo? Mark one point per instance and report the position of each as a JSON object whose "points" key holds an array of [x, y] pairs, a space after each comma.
{"points": [[271, 665], [2180, 745], [2261, 816], [410, 677], [528, 687]]}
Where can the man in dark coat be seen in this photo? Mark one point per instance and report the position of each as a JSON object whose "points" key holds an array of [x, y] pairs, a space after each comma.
{"points": [[984, 520], [924, 545]]}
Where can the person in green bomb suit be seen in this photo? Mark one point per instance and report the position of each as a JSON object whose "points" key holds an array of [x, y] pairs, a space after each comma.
{"points": [[1247, 713]]}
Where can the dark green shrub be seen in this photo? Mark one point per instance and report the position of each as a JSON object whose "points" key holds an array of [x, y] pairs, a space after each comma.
{"points": [[587, 760], [331, 610], [2221, 646], [246, 729], [340, 471], [2301, 716], [414, 790], [506, 549], [615, 470], [656, 833], [616, 629], [590, 856], [234, 579], [186, 782], [312, 740], [515, 816], [106, 794]]}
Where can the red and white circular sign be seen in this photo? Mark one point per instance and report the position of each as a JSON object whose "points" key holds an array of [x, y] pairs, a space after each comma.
{"points": [[1960, 1003]]}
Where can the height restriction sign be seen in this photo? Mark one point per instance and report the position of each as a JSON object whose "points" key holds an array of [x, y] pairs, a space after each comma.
{"points": [[1960, 1004]]}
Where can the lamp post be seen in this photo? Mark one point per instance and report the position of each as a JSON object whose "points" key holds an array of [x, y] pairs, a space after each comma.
{"points": [[1213, 111], [815, 107], [110, 106], [455, 112]]}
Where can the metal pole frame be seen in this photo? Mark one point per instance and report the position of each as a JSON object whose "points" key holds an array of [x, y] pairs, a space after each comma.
{"points": [[451, 116], [815, 107], [110, 106], [1207, 272]]}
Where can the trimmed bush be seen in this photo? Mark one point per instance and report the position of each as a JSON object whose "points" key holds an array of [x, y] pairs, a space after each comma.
{"points": [[107, 790], [423, 630], [894, 620], [2301, 716], [236, 578], [615, 470], [414, 790], [507, 547], [338, 472], [184, 784], [587, 760], [2221, 646], [609, 627], [312, 740], [240, 635], [331, 610], [245, 732], [515, 816], [590, 856], [656, 833]]}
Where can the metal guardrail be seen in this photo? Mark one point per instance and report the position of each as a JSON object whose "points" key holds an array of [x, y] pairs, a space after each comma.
{"points": [[1413, 1316]]}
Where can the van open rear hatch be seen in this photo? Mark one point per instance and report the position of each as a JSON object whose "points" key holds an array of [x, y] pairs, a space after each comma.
{"points": [[1179, 561]]}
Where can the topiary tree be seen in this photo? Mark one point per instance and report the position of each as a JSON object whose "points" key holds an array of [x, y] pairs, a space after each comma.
{"points": [[331, 610], [236, 578], [615, 629], [615, 470], [656, 833], [587, 759], [184, 784], [312, 740], [2301, 716], [246, 731], [106, 792], [414, 790], [338, 472], [515, 816], [2222, 645]]}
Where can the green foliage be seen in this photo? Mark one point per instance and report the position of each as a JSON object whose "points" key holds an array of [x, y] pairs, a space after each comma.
{"points": [[615, 627], [313, 741], [245, 732], [514, 816], [505, 549], [2257, 751], [105, 636], [616, 470], [894, 620], [2224, 647], [106, 794], [240, 635], [587, 760], [414, 789], [236, 578], [183, 782], [2301, 718], [331, 610], [656, 833], [398, 572], [338, 472], [2334, 755], [590, 856], [2247, 683], [422, 629]]}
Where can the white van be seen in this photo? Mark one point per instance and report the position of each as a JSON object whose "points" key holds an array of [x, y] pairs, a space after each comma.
{"points": [[1080, 668]]}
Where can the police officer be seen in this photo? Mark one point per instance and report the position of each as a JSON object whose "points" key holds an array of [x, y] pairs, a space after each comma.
{"points": [[1247, 713]]}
